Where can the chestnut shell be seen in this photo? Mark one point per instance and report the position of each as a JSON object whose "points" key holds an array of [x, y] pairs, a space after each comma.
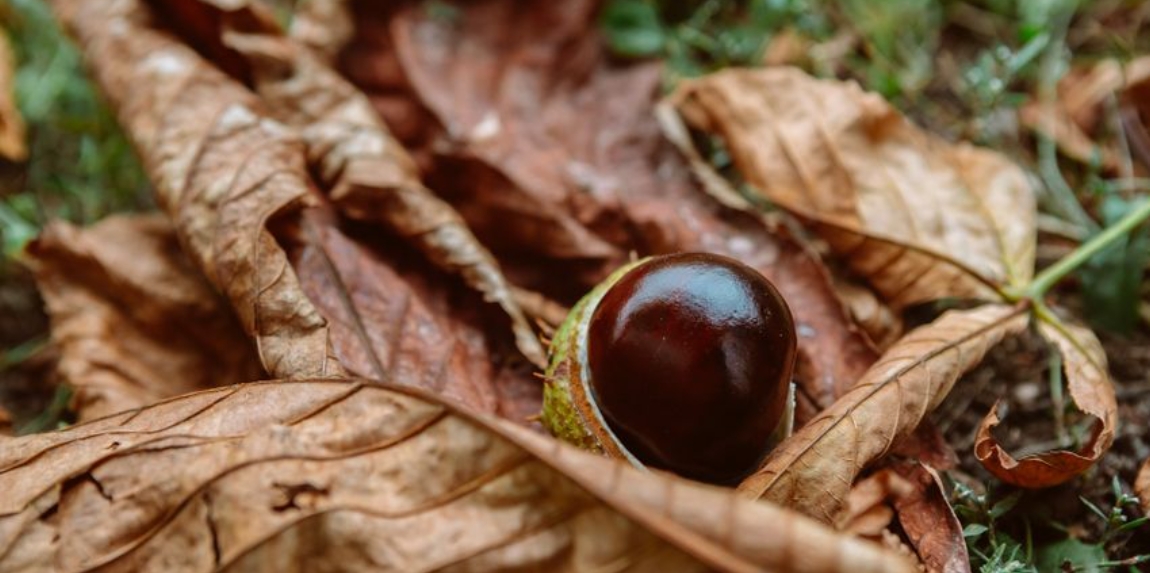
{"points": [[690, 359]]}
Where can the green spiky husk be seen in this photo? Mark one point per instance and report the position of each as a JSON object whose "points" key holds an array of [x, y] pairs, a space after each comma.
{"points": [[560, 415]]}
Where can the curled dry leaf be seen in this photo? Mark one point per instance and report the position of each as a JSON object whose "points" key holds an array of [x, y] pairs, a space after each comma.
{"points": [[360, 166], [1142, 486], [272, 476], [919, 217], [553, 155], [221, 169], [12, 144], [813, 470], [1087, 379], [133, 321]]}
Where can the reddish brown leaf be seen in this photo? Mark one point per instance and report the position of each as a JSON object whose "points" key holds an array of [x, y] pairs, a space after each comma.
{"points": [[392, 321], [813, 470], [929, 521], [552, 153], [1087, 379], [133, 321], [272, 475], [919, 217]]}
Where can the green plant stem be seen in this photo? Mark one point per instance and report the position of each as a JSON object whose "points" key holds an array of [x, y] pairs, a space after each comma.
{"points": [[1056, 272]]}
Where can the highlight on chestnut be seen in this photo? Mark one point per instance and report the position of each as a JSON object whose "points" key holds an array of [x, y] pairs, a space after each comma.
{"points": [[679, 362]]}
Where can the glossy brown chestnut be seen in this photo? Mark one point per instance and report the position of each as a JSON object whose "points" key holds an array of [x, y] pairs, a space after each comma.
{"points": [[690, 357]]}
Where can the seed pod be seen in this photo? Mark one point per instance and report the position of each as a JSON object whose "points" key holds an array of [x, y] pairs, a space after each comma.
{"points": [[680, 362]]}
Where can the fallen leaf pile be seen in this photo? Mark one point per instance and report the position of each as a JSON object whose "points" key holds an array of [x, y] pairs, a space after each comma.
{"points": [[295, 476], [384, 209]]}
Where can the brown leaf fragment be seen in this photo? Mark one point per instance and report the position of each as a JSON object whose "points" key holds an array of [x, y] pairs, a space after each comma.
{"points": [[5, 423], [222, 169], [929, 521], [1089, 385], [273, 476], [12, 140], [812, 471], [919, 217], [1142, 486], [1073, 117], [361, 167], [133, 320], [867, 512], [874, 316]]}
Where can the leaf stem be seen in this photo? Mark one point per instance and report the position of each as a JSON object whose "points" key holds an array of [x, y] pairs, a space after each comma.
{"points": [[1056, 272]]}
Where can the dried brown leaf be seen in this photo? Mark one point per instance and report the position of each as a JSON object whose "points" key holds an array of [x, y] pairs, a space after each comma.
{"points": [[359, 165], [271, 476], [919, 217], [133, 321], [1087, 379], [222, 169], [12, 140], [812, 471]]}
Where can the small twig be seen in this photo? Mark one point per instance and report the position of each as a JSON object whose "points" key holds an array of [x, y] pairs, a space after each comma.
{"points": [[1057, 400], [1056, 272]]}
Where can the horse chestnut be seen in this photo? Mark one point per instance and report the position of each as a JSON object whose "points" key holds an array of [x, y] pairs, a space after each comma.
{"points": [[681, 362]]}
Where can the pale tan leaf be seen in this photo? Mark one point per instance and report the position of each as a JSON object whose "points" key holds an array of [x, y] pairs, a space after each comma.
{"points": [[221, 168], [919, 217], [274, 476], [132, 319], [1089, 384], [12, 139], [812, 471]]}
